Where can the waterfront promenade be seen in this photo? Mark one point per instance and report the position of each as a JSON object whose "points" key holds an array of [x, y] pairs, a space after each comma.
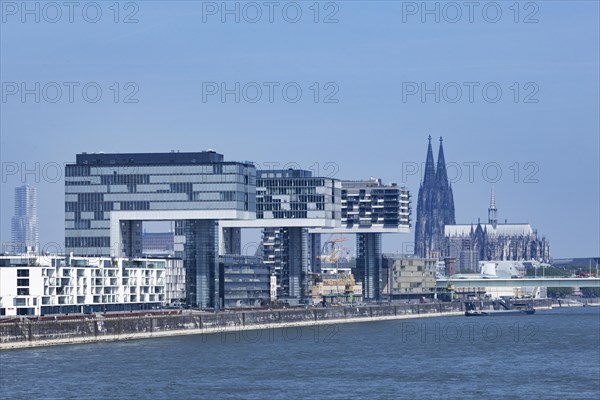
{"points": [[99, 328]]}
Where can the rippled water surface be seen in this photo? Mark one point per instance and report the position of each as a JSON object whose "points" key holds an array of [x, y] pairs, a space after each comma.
{"points": [[552, 354]]}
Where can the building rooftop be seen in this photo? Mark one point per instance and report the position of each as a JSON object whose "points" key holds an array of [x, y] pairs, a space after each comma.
{"points": [[499, 230], [173, 157], [283, 173], [371, 183]]}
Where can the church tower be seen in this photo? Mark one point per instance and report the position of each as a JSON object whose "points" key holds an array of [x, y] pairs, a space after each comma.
{"points": [[435, 207], [493, 211]]}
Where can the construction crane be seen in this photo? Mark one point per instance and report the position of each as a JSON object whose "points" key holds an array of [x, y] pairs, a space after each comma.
{"points": [[331, 252]]}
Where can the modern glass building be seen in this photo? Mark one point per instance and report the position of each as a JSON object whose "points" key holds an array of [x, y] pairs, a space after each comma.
{"points": [[370, 208], [287, 194], [108, 196], [371, 205], [210, 200], [298, 200], [245, 281], [24, 223]]}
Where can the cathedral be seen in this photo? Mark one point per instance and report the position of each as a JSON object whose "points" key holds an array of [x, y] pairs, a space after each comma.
{"points": [[470, 243], [435, 207], [438, 236]]}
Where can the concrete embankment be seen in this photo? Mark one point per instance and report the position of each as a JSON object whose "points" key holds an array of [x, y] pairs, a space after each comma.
{"points": [[33, 333]]}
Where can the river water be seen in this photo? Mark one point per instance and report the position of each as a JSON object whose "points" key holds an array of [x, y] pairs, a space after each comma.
{"points": [[552, 354]]}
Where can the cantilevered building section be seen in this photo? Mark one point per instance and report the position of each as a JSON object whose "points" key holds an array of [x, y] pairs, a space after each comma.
{"points": [[370, 208], [24, 223], [296, 194], [108, 196], [291, 201]]}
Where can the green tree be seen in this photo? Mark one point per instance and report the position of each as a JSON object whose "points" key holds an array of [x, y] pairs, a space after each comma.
{"points": [[590, 291], [548, 272], [558, 292]]}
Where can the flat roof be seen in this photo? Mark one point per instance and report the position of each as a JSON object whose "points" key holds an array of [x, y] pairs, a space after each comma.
{"points": [[149, 158]]}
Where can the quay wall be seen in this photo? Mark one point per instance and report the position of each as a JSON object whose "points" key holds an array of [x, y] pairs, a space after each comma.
{"points": [[32, 333]]}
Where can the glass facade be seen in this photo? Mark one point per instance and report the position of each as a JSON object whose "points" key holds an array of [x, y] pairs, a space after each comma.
{"points": [[24, 224], [371, 204], [99, 184], [290, 255], [153, 184], [201, 263], [245, 281], [296, 194], [368, 264], [289, 251]]}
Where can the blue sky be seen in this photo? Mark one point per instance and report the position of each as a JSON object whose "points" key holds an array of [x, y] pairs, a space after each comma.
{"points": [[370, 58]]}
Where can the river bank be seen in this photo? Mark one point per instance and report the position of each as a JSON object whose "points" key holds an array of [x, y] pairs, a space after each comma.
{"points": [[25, 334]]}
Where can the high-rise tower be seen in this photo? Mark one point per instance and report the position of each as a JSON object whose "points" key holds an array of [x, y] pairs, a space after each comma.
{"points": [[24, 224], [435, 207]]}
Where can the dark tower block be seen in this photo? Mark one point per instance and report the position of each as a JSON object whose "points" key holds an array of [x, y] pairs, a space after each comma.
{"points": [[435, 207], [368, 264]]}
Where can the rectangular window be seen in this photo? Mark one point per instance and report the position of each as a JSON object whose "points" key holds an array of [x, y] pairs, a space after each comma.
{"points": [[22, 273], [23, 292], [19, 302], [22, 282]]}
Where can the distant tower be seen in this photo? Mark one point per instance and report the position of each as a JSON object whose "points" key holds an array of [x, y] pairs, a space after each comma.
{"points": [[435, 207], [493, 211], [24, 224]]}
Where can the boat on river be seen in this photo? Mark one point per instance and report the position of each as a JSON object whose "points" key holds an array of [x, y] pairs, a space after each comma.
{"points": [[500, 308]]}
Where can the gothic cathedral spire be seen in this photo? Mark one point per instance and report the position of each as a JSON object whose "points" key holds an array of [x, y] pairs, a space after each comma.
{"points": [[429, 176], [493, 211], [441, 174], [435, 207]]}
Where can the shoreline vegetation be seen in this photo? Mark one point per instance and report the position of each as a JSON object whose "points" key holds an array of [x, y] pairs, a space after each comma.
{"points": [[31, 334]]}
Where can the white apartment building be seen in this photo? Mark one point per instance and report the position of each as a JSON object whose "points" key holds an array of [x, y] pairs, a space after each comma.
{"points": [[37, 285]]}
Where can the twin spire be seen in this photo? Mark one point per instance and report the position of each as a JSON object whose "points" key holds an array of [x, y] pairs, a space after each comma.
{"points": [[433, 174]]}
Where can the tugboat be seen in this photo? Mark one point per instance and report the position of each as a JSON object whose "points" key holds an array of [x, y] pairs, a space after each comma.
{"points": [[472, 311], [500, 308]]}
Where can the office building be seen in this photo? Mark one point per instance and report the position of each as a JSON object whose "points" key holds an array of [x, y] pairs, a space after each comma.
{"points": [[24, 223], [108, 196], [298, 200], [370, 208], [245, 282], [409, 277]]}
